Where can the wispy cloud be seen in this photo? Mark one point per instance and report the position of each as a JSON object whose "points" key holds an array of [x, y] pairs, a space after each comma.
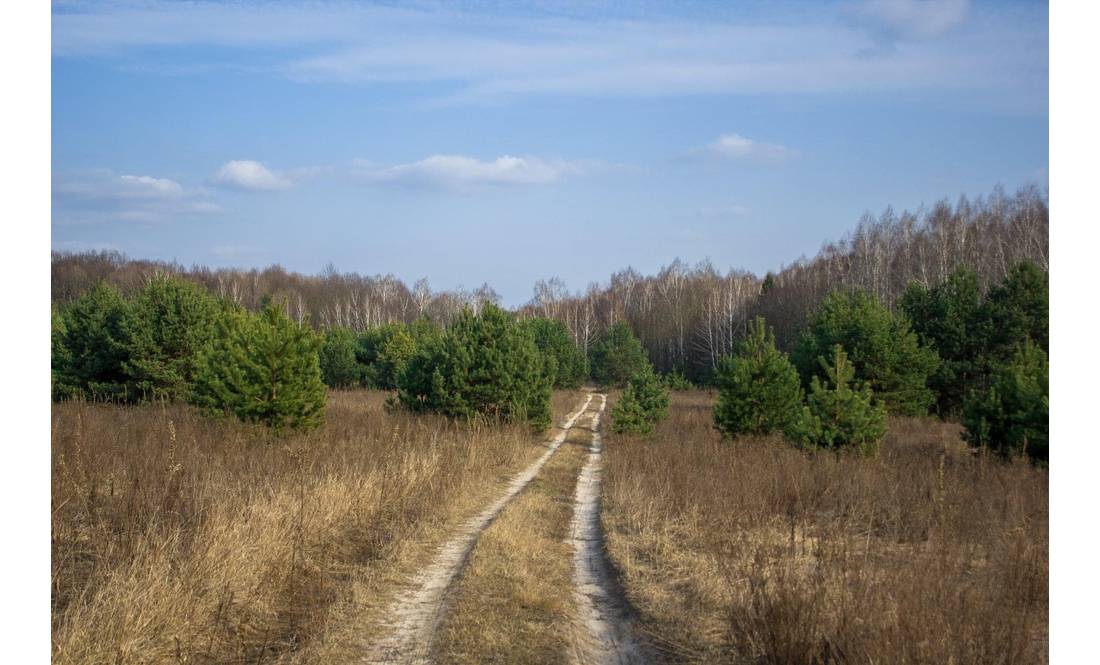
{"points": [[481, 56], [253, 176], [737, 147], [460, 173], [97, 196]]}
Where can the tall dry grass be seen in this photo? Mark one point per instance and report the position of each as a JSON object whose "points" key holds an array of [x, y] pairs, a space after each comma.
{"points": [[754, 552], [179, 539]]}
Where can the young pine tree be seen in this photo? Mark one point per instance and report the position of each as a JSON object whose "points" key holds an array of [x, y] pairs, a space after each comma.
{"points": [[884, 352], [263, 368], [94, 340], [486, 364], [758, 388], [617, 356], [1013, 416], [553, 339], [837, 416], [339, 368], [167, 325], [644, 403]]}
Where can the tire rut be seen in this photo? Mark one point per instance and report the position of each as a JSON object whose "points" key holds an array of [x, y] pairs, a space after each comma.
{"points": [[604, 633], [417, 613]]}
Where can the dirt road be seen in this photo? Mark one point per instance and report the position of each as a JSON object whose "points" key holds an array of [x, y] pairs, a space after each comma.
{"points": [[417, 612]]}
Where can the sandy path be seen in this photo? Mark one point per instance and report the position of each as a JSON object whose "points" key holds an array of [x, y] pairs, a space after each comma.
{"points": [[418, 612], [605, 635]]}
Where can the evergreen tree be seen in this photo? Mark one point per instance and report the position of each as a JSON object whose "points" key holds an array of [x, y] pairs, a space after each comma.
{"points": [[95, 344], [553, 339], [166, 327], [339, 367], [628, 416], [1013, 416], [263, 368], [758, 388], [1017, 310], [836, 416], [486, 365], [617, 356], [885, 353], [395, 357], [676, 380], [950, 318]]}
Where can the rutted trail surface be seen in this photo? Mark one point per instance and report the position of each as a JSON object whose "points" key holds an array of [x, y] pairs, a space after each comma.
{"points": [[606, 636], [417, 613]]}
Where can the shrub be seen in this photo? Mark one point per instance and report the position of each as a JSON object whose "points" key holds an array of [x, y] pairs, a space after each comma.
{"points": [[644, 403], [617, 356], [553, 339], [263, 368], [486, 365], [758, 388], [1013, 416], [166, 327], [885, 353], [837, 416], [93, 336], [339, 368], [676, 380]]}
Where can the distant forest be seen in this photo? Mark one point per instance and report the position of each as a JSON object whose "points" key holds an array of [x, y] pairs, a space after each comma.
{"points": [[687, 317]]}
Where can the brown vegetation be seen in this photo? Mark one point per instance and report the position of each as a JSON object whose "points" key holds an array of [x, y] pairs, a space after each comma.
{"points": [[180, 539], [753, 551], [514, 601]]}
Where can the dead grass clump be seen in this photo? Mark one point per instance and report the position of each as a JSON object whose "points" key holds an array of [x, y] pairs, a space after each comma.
{"points": [[755, 552], [176, 538]]}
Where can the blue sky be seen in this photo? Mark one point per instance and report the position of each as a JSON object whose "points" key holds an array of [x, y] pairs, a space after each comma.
{"points": [[466, 143]]}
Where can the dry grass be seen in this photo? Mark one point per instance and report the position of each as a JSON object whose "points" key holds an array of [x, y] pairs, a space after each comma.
{"points": [[514, 600], [753, 552], [178, 539]]}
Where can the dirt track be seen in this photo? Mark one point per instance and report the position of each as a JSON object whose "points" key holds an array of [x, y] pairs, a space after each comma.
{"points": [[604, 627], [415, 617]]}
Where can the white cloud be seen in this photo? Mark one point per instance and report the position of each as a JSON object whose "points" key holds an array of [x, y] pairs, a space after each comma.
{"points": [[246, 174], [464, 173], [735, 146], [487, 56], [98, 195]]}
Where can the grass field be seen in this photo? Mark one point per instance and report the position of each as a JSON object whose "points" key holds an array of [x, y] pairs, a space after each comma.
{"points": [[756, 552], [180, 539], [177, 539]]}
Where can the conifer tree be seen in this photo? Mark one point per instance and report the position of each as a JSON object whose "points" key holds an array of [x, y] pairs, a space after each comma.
{"points": [[167, 325], [395, 357], [486, 364], [628, 416], [95, 344], [1018, 309], [758, 388], [643, 403], [884, 352], [339, 368], [263, 368], [553, 339], [1012, 417], [59, 355], [838, 416], [617, 356], [950, 318]]}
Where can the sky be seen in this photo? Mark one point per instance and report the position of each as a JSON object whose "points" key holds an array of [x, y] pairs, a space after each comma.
{"points": [[505, 143]]}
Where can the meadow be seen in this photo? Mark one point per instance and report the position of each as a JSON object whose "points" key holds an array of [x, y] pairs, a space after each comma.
{"points": [[756, 552]]}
